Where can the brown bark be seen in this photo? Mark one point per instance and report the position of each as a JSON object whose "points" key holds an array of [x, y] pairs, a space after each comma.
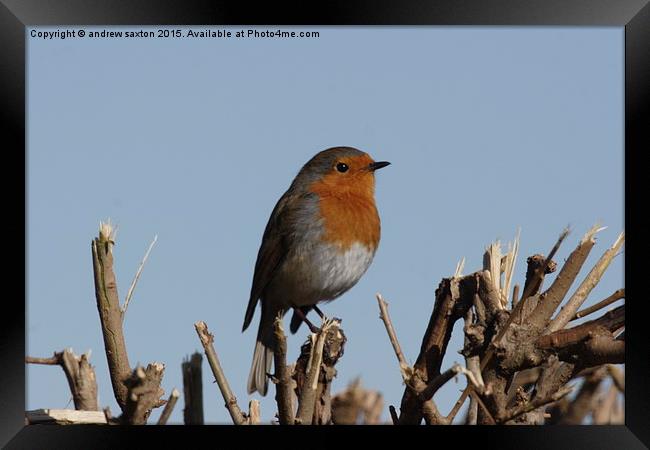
{"points": [[617, 295], [553, 296], [590, 281], [193, 390], [283, 387], [144, 394], [80, 375], [169, 407], [132, 392], [314, 373], [584, 401], [110, 316], [207, 340], [447, 309], [537, 268], [534, 281], [356, 405]]}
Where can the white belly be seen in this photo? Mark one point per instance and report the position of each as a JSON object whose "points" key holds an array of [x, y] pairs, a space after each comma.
{"points": [[339, 271], [321, 273]]}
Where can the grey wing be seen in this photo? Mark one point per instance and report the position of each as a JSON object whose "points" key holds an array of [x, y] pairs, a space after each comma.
{"points": [[271, 253]]}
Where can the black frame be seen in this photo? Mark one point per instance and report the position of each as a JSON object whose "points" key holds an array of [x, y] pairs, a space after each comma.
{"points": [[634, 15]]}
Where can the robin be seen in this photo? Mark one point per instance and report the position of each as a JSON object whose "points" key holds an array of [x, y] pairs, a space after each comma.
{"points": [[320, 239]]}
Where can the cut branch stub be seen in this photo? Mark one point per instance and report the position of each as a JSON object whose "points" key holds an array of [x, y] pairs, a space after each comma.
{"points": [[534, 263], [590, 281], [283, 387], [80, 375], [553, 296], [314, 373], [110, 314], [193, 390], [144, 393], [169, 407], [82, 380]]}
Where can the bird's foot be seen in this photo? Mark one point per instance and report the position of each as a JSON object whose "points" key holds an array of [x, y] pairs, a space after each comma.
{"points": [[313, 328]]}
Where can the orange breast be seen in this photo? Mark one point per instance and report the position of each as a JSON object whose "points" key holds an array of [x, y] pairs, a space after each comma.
{"points": [[348, 210]]}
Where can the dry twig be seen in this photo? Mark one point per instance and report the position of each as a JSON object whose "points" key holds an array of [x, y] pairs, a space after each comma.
{"points": [[169, 407], [283, 387], [207, 340]]}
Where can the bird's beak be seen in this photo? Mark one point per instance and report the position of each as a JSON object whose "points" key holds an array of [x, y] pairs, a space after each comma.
{"points": [[377, 165]]}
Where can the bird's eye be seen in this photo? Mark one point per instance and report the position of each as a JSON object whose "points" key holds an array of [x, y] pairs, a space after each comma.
{"points": [[342, 167]]}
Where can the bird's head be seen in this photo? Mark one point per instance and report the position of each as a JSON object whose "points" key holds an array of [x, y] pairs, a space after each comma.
{"points": [[341, 171]]}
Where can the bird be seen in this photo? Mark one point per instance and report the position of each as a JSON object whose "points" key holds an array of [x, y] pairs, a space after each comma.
{"points": [[320, 239]]}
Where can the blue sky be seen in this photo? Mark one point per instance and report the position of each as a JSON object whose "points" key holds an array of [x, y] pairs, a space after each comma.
{"points": [[194, 140]]}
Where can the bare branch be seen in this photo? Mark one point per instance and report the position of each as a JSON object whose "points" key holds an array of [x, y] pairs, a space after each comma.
{"points": [[435, 384], [207, 341], [459, 268], [516, 312], [431, 414], [602, 413], [129, 294], [51, 361], [590, 281], [534, 279], [193, 390], [459, 403], [135, 395], [110, 314], [484, 409], [583, 403], [80, 375], [604, 349], [449, 306], [169, 407], [144, 393], [619, 294], [383, 315], [307, 400], [535, 274], [534, 282], [617, 377], [604, 325], [353, 402], [509, 267], [283, 388], [393, 415], [515, 295], [537, 402], [333, 348], [492, 265], [473, 363], [253, 412], [551, 299]]}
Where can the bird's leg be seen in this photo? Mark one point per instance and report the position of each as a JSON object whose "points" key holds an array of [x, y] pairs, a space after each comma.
{"points": [[322, 316], [318, 311], [313, 328]]}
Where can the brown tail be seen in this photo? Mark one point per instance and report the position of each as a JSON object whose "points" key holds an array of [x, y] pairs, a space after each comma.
{"points": [[257, 380], [263, 355]]}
